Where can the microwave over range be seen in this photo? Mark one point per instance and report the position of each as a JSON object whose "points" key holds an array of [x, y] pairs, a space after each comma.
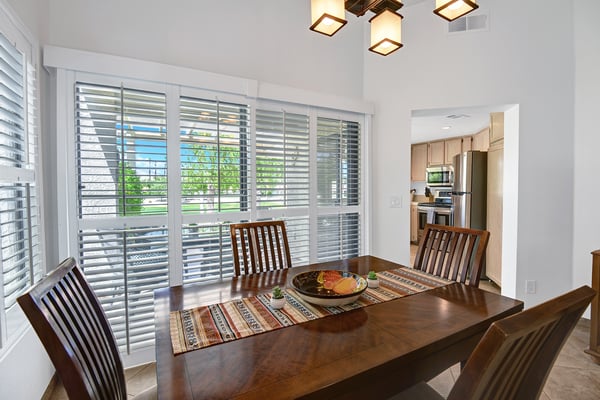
{"points": [[442, 175]]}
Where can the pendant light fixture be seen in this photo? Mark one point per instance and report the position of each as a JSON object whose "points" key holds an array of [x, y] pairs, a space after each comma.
{"points": [[386, 32], [327, 16], [453, 9]]}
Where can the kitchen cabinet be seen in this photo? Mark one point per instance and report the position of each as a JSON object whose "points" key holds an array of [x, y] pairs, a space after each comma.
{"points": [[414, 222], [437, 153], [494, 211], [481, 140], [418, 162], [496, 127], [467, 144], [452, 147]]}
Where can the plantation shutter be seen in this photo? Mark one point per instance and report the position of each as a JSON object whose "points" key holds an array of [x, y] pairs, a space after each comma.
{"points": [[214, 156], [338, 182], [121, 151], [215, 180], [283, 172], [124, 266], [19, 219]]}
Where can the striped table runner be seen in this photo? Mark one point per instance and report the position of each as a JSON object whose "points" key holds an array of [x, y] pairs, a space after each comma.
{"points": [[218, 323]]}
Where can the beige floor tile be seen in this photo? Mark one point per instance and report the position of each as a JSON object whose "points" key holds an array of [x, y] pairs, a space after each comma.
{"points": [[443, 383], [566, 383], [140, 379]]}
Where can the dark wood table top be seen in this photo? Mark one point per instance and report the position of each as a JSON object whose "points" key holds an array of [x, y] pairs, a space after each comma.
{"points": [[374, 351]]}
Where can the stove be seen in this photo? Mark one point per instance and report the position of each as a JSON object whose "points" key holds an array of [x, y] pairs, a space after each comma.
{"points": [[442, 199], [442, 203], [439, 211]]}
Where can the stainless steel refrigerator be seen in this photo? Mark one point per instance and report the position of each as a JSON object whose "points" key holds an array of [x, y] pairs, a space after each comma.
{"points": [[469, 190]]}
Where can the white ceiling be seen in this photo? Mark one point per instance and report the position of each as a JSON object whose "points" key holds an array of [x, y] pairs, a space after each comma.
{"points": [[428, 125]]}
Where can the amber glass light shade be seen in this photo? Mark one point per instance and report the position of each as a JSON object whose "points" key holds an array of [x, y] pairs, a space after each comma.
{"points": [[386, 32], [453, 9], [327, 16]]}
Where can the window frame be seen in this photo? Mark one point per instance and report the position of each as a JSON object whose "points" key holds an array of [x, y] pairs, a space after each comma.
{"points": [[13, 323]]}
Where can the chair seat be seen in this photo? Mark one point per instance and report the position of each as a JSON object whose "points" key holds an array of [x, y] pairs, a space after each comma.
{"points": [[420, 391]]}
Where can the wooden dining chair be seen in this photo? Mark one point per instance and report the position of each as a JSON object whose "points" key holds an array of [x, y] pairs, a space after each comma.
{"points": [[259, 246], [514, 357], [70, 322], [453, 253]]}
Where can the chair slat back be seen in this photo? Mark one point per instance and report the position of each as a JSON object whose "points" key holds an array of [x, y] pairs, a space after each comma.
{"points": [[70, 322], [264, 247], [514, 357], [452, 253]]}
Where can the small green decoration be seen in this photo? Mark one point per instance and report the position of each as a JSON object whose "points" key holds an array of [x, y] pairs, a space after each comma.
{"points": [[372, 275], [277, 293]]}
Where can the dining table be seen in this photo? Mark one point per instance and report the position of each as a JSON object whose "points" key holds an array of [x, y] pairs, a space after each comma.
{"points": [[369, 352]]}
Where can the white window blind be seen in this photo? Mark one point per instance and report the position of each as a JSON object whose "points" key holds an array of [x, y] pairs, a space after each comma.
{"points": [[121, 151], [214, 156], [283, 174], [20, 256], [124, 266], [338, 181], [207, 253], [282, 159], [121, 156], [215, 180]]}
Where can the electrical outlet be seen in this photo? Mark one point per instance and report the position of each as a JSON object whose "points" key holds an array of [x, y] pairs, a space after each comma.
{"points": [[530, 287], [396, 202]]}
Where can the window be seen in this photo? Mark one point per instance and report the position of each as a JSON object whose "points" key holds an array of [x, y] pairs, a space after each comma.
{"points": [[20, 250], [283, 175], [338, 165], [121, 152], [215, 179], [162, 171]]}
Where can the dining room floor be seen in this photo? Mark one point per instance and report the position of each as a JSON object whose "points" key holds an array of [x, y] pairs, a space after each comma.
{"points": [[574, 375]]}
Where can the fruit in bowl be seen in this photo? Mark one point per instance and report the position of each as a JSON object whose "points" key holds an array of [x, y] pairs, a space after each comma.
{"points": [[329, 287]]}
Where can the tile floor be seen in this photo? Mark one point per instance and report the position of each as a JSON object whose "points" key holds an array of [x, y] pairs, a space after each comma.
{"points": [[574, 375]]}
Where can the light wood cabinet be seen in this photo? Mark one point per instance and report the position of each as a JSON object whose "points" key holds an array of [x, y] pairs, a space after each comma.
{"points": [[414, 222], [418, 162], [496, 127], [481, 140], [452, 147], [437, 153], [467, 144], [494, 211]]}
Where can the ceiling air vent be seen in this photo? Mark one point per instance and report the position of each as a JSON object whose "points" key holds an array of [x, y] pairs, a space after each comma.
{"points": [[469, 23], [457, 116]]}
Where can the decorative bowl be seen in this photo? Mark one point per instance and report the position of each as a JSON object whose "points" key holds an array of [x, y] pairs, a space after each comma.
{"points": [[329, 288]]}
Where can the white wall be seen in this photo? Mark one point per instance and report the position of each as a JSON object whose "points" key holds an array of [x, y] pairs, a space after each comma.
{"points": [[30, 12], [25, 369], [527, 61], [266, 40], [586, 213]]}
